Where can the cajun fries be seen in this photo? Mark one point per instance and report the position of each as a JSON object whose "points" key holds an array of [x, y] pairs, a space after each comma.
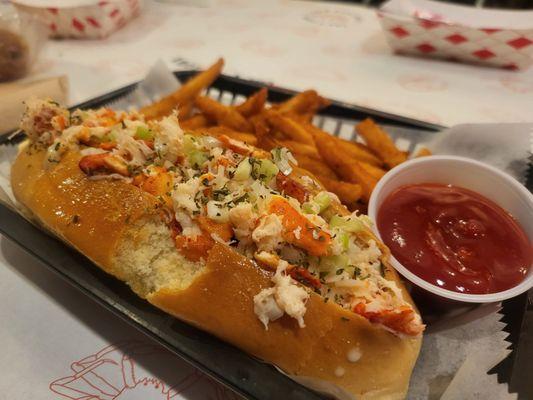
{"points": [[345, 167], [184, 94], [381, 143]]}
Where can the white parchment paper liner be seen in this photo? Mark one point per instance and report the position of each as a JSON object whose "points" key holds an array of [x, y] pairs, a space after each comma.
{"points": [[453, 363]]}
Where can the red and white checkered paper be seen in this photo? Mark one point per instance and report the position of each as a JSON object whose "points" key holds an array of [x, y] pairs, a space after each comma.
{"points": [[435, 35], [84, 20]]}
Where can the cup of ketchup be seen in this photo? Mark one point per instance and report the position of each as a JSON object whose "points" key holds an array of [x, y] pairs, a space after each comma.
{"points": [[460, 231]]}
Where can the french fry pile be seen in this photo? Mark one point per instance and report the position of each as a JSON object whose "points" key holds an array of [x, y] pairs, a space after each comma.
{"points": [[346, 168]]}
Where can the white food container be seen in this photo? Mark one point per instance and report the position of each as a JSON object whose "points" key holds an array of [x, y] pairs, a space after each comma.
{"points": [[83, 19], [499, 38], [479, 177]]}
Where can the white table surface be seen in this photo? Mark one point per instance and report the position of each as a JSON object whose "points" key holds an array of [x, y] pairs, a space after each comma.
{"points": [[337, 49], [47, 326]]}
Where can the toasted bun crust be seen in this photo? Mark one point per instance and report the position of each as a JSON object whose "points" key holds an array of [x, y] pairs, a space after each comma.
{"points": [[98, 218]]}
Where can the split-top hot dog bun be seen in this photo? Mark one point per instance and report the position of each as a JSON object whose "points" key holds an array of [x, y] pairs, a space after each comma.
{"points": [[318, 300]]}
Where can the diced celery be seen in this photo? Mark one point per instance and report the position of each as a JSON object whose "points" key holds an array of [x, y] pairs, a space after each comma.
{"points": [[265, 170], [309, 208], [109, 137], [189, 143], [348, 225], [344, 240], [281, 157], [323, 200], [243, 170], [197, 158], [329, 263], [336, 221], [144, 133]]}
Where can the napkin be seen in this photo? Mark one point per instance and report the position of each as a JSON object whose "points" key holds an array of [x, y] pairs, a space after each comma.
{"points": [[13, 94]]}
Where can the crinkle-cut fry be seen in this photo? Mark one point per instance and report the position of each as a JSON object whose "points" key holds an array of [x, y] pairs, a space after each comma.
{"points": [[380, 142], [185, 110], [215, 131], [423, 152], [355, 150], [222, 115], [301, 148], [290, 128], [195, 122], [347, 168], [376, 172], [254, 104], [347, 192], [185, 93], [308, 101], [316, 167]]}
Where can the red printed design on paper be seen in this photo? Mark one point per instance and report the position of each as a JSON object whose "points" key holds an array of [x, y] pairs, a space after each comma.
{"points": [[520, 42], [115, 373]]}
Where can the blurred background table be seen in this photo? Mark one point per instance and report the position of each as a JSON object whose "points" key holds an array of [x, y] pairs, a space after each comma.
{"points": [[338, 49]]}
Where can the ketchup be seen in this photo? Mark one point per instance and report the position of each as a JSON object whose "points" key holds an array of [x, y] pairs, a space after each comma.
{"points": [[454, 238]]}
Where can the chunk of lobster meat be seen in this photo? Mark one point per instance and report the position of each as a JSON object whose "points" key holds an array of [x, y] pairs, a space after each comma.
{"points": [[43, 120], [402, 319], [194, 248], [103, 164], [220, 230], [197, 247], [298, 230], [242, 148], [290, 187], [158, 183], [271, 261]]}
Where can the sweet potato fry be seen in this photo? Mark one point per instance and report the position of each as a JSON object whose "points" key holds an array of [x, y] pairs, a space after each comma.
{"points": [[302, 103], [195, 122], [187, 92], [253, 104], [290, 128], [381, 143], [315, 166], [348, 169], [224, 130], [423, 152], [223, 115], [346, 192]]}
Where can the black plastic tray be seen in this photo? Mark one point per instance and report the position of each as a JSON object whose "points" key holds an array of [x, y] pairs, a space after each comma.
{"points": [[227, 364]]}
